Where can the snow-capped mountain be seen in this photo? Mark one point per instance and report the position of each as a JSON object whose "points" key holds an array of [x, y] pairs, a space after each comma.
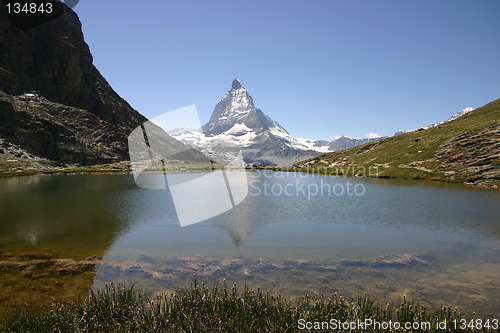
{"points": [[461, 113], [237, 124], [431, 125]]}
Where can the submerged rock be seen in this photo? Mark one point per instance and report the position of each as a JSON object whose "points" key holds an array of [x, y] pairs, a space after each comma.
{"points": [[402, 260]]}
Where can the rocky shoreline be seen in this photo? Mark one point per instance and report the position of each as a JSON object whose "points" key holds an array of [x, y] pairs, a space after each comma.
{"points": [[14, 166], [416, 275]]}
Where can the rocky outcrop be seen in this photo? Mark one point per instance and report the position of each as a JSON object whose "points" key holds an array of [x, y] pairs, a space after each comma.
{"points": [[60, 132], [475, 156]]}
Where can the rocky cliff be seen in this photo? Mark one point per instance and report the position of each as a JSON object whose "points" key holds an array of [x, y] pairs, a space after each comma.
{"points": [[54, 102], [53, 59]]}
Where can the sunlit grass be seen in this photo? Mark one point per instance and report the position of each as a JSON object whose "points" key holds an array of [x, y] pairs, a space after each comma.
{"points": [[419, 155], [220, 308]]}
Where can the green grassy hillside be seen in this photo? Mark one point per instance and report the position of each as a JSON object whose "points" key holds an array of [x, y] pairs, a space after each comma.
{"points": [[463, 150]]}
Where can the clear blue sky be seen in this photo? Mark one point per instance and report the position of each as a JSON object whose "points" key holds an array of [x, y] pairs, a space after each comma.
{"points": [[320, 68]]}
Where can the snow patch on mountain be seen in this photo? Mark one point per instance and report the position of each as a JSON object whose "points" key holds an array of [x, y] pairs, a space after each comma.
{"points": [[314, 145], [280, 132], [239, 134], [431, 125], [461, 113]]}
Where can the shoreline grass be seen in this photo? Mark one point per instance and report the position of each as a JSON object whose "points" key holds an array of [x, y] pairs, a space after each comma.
{"points": [[219, 309], [363, 171]]}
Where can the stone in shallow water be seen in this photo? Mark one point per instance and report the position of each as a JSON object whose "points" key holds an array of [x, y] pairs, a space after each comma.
{"points": [[355, 263], [402, 260]]}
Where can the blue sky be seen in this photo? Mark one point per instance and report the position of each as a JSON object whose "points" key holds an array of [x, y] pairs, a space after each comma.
{"points": [[320, 68]]}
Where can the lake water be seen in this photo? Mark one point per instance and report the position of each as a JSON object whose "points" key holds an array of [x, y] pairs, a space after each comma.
{"points": [[433, 242]]}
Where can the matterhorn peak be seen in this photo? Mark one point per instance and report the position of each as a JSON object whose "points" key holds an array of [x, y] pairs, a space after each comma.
{"points": [[237, 84], [236, 105]]}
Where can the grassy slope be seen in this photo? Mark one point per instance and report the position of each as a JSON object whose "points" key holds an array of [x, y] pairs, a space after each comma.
{"points": [[463, 150]]}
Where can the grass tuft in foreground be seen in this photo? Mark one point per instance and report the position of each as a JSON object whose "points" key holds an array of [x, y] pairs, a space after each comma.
{"points": [[216, 309]]}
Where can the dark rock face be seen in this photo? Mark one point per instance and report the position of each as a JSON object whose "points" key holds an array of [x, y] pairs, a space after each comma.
{"points": [[72, 115], [60, 132], [53, 59], [236, 84]]}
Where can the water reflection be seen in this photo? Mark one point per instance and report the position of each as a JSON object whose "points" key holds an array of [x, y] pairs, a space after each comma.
{"points": [[48, 222], [138, 237], [69, 216], [427, 207], [302, 244], [82, 216]]}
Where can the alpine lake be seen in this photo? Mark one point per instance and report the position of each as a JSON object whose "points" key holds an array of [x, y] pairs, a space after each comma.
{"points": [[435, 243]]}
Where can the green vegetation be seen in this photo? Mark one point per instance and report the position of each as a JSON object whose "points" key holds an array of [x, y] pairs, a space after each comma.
{"points": [[9, 171], [463, 150], [216, 309]]}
